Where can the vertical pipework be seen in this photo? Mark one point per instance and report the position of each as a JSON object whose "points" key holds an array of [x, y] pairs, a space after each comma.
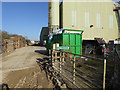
{"points": [[117, 13], [53, 15], [49, 17], [118, 20]]}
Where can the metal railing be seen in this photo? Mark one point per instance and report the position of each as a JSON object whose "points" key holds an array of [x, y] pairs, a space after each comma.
{"points": [[116, 66], [78, 70]]}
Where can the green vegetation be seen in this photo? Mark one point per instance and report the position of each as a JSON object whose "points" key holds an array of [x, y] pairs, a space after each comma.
{"points": [[6, 35]]}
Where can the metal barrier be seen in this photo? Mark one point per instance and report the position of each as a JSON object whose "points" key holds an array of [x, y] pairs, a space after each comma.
{"points": [[78, 70], [116, 66]]}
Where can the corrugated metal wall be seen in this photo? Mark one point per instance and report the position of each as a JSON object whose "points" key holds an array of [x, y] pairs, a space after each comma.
{"points": [[99, 15]]}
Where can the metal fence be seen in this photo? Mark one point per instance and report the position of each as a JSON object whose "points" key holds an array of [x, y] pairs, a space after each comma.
{"points": [[116, 66], [78, 70]]}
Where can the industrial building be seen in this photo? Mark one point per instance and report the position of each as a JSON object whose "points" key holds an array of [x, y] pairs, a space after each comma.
{"points": [[97, 19], [99, 24], [43, 35]]}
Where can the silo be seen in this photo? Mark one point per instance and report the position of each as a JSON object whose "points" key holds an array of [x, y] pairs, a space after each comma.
{"points": [[53, 15]]}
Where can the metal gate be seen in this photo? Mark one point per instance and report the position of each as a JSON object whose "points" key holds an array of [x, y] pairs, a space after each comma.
{"points": [[86, 71], [80, 72]]}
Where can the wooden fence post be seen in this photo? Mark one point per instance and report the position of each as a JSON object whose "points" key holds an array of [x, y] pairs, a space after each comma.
{"points": [[74, 69], [63, 57], [60, 62], [104, 74], [53, 57]]}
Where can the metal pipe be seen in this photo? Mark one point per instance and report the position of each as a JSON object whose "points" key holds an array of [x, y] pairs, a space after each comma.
{"points": [[116, 10]]}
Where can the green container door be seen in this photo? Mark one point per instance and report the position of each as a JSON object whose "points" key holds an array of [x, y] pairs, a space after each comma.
{"points": [[70, 38], [79, 44], [73, 41]]}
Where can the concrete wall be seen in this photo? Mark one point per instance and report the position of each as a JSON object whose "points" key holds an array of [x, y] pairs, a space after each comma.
{"points": [[82, 15]]}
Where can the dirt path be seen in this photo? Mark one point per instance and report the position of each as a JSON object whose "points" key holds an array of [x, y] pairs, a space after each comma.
{"points": [[20, 69]]}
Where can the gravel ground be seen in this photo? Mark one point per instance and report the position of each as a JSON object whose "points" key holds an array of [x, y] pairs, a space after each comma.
{"points": [[20, 69]]}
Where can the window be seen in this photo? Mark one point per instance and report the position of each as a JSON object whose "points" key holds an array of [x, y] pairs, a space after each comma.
{"points": [[98, 20], [74, 18], [86, 19], [111, 21]]}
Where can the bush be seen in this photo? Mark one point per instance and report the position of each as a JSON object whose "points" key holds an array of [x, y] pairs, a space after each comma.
{"points": [[5, 35]]}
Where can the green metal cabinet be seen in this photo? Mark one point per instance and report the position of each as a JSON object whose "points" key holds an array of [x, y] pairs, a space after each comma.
{"points": [[70, 38]]}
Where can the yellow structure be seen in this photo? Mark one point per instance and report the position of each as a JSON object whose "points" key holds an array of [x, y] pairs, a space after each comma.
{"points": [[26, 45], [97, 19]]}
